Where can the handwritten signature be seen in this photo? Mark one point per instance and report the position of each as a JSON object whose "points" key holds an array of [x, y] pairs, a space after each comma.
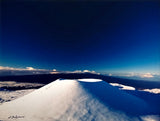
{"points": [[15, 117]]}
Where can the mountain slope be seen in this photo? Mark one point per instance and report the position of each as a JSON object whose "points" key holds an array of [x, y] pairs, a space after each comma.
{"points": [[76, 100]]}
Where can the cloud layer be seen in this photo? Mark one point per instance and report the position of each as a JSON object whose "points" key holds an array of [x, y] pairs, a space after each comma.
{"points": [[5, 71], [133, 75], [124, 87]]}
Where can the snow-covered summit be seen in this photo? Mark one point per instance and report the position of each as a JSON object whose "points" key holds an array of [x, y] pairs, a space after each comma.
{"points": [[76, 100]]}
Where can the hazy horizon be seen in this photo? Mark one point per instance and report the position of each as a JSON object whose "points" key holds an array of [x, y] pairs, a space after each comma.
{"points": [[10, 71]]}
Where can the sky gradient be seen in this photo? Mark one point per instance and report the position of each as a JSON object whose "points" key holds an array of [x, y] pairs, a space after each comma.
{"points": [[67, 36]]}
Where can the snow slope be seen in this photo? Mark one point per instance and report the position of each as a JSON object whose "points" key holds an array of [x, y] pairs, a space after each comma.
{"points": [[77, 100]]}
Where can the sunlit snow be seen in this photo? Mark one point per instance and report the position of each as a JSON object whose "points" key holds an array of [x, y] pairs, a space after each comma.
{"points": [[76, 100]]}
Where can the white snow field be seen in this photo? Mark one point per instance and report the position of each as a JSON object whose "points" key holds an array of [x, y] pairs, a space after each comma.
{"points": [[78, 100]]}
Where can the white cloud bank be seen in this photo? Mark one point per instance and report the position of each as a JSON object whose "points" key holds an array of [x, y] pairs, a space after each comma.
{"points": [[124, 87], [133, 75], [4, 71], [150, 118], [76, 71], [146, 75], [19, 69], [30, 70], [85, 71], [156, 91]]}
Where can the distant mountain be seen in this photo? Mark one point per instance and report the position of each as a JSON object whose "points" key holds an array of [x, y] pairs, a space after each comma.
{"points": [[78, 100], [47, 78]]}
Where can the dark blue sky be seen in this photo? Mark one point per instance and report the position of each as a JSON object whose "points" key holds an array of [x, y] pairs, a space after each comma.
{"points": [[100, 36]]}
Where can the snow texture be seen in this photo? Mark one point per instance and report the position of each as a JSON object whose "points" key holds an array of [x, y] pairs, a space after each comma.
{"points": [[6, 96], [77, 100]]}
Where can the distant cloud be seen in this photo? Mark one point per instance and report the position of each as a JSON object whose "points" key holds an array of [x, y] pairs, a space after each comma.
{"points": [[18, 69], [86, 71], [54, 70], [141, 75], [124, 87], [4, 71], [146, 75], [150, 118], [9, 68], [78, 71], [156, 91], [30, 70], [132, 74], [110, 74]]}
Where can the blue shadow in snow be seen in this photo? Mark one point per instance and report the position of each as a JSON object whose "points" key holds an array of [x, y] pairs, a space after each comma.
{"points": [[117, 99]]}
